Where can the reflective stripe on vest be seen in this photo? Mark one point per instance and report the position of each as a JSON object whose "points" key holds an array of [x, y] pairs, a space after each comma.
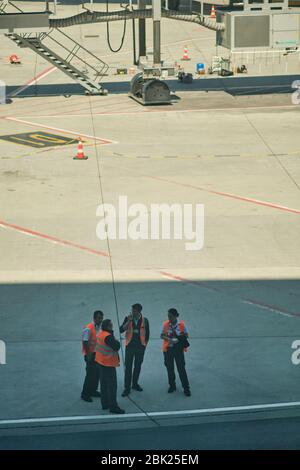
{"points": [[105, 355], [166, 333], [129, 333], [92, 339]]}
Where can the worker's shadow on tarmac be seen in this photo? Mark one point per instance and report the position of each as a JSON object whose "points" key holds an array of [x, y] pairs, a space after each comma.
{"points": [[235, 86]]}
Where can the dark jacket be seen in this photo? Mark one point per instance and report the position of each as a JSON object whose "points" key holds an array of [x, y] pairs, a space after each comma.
{"points": [[112, 342], [136, 338]]}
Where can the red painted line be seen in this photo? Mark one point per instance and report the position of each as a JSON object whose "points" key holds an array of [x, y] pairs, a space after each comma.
{"points": [[154, 111], [255, 201], [64, 131], [218, 193], [40, 75], [270, 307], [229, 195], [189, 281], [52, 239], [35, 79], [257, 303], [201, 284]]}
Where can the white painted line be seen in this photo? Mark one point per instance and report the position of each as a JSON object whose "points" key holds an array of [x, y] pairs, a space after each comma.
{"points": [[79, 134], [155, 414], [267, 307], [35, 79], [164, 111]]}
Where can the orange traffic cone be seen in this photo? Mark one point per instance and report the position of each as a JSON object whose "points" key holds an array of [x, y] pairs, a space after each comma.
{"points": [[213, 11], [80, 153], [185, 54]]}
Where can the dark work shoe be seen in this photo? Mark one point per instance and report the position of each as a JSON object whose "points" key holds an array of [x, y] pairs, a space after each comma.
{"points": [[137, 387], [96, 394], [117, 411], [125, 393], [105, 407], [187, 392], [172, 389], [85, 398]]}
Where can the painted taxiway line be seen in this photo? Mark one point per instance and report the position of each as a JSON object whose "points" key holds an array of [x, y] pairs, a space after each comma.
{"points": [[174, 277], [34, 80], [155, 414], [146, 112], [256, 303], [57, 129], [51, 239], [227, 195], [216, 192]]}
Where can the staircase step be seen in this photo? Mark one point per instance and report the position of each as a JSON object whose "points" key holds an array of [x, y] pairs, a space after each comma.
{"points": [[82, 77]]}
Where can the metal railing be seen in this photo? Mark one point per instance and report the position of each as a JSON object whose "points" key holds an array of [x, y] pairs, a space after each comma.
{"points": [[7, 3], [75, 54]]}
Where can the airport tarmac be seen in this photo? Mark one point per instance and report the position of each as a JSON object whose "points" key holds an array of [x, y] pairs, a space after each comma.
{"points": [[234, 148]]}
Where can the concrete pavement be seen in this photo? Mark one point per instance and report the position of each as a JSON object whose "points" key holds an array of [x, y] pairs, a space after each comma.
{"points": [[271, 434], [238, 155]]}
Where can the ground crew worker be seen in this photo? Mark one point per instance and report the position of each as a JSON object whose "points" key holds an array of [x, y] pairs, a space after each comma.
{"points": [[136, 328], [89, 341], [174, 335], [107, 357]]}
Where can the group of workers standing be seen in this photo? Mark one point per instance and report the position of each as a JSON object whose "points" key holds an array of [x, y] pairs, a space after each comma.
{"points": [[101, 354]]}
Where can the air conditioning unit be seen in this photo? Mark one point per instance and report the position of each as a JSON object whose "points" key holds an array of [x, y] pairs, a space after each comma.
{"points": [[259, 27]]}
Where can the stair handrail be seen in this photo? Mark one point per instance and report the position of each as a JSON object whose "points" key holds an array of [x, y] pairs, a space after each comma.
{"points": [[5, 4], [98, 73], [29, 38]]}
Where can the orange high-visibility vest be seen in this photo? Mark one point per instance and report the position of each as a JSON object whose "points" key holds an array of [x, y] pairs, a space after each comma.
{"points": [[105, 355], [166, 332], [129, 333], [92, 340]]}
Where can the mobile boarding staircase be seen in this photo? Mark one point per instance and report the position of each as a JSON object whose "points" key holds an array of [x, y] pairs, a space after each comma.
{"points": [[59, 49]]}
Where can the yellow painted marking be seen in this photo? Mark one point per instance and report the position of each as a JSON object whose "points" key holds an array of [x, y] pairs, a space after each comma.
{"points": [[195, 157], [25, 140], [48, 138]]}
